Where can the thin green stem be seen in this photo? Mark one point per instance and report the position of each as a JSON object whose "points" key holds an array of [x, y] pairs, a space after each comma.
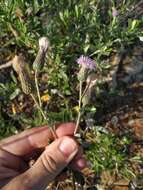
{"points": [[79, 114], [52, 129], [85, 90], [43, 114], [37, 87], [81, 95]]}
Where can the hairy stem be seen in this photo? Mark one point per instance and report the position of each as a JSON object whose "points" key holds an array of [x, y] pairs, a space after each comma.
{"points": [[79, 106], [37, 87], [44, 116], [85, 90]]}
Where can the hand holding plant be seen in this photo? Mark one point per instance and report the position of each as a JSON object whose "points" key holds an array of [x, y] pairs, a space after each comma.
{"points": [[49, 160]]}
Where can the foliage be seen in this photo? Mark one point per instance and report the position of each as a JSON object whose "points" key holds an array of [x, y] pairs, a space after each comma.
{"points": [[108, 152]]}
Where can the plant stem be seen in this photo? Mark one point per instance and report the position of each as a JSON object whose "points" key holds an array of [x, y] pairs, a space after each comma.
{"points": [[37, 87], [44, 116], [6, 65], [85, 90], [79, 106]]}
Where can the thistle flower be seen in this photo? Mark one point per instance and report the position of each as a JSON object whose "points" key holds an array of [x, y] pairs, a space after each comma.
{"points": [[86, 62], [114, 12]]}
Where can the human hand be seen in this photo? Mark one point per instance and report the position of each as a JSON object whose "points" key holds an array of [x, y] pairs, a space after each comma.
{"points": [[16, 152]]}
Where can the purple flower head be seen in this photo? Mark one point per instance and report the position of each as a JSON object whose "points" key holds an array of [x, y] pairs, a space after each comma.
{"points": [[86, 62], [114, 12]]}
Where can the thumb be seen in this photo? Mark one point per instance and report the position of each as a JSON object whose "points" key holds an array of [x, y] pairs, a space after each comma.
{"points": [[52, 161]]}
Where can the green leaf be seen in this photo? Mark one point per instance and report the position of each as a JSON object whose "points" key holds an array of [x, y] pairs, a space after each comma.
{"points": [[15, 94]]}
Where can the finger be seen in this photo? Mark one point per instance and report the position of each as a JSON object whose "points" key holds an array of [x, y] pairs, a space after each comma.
{"points": [[29, 140], [6, 175], [33, 155], [53, 160], [4, 182], [11, 161], [79, 162]]}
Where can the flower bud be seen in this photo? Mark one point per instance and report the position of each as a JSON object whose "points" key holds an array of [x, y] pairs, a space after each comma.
{"points": [[44, 44], [40, 58]]}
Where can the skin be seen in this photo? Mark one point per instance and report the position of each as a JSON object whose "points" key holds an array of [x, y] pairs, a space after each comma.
{"points": [[50, 159]]}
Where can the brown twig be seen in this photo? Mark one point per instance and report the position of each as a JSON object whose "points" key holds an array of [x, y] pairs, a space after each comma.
{"points": [[6, 65]]}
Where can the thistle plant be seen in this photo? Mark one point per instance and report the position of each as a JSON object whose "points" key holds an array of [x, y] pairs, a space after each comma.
{"points": [[21, 68], [85, 75], [39, 62], [86, 66]]}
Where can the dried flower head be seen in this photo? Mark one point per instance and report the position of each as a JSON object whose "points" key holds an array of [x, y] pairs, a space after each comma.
{"points": [[44, 44], [114, 12], [21, 68], [86, 62]]}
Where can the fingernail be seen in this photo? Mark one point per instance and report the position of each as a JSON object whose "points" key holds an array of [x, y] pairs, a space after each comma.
{"points": [[68, 146]]}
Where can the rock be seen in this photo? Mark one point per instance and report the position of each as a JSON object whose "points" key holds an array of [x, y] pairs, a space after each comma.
{"points": [[137, 126]]}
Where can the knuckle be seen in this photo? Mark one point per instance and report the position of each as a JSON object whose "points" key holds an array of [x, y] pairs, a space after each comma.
{"points": [[49, 163]]}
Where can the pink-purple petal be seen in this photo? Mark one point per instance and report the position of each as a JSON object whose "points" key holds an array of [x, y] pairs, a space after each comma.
{"points": [[114, 12], [86, 62]]}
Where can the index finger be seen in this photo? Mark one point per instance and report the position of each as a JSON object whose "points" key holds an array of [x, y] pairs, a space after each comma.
{"points": [[34, 138]]}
